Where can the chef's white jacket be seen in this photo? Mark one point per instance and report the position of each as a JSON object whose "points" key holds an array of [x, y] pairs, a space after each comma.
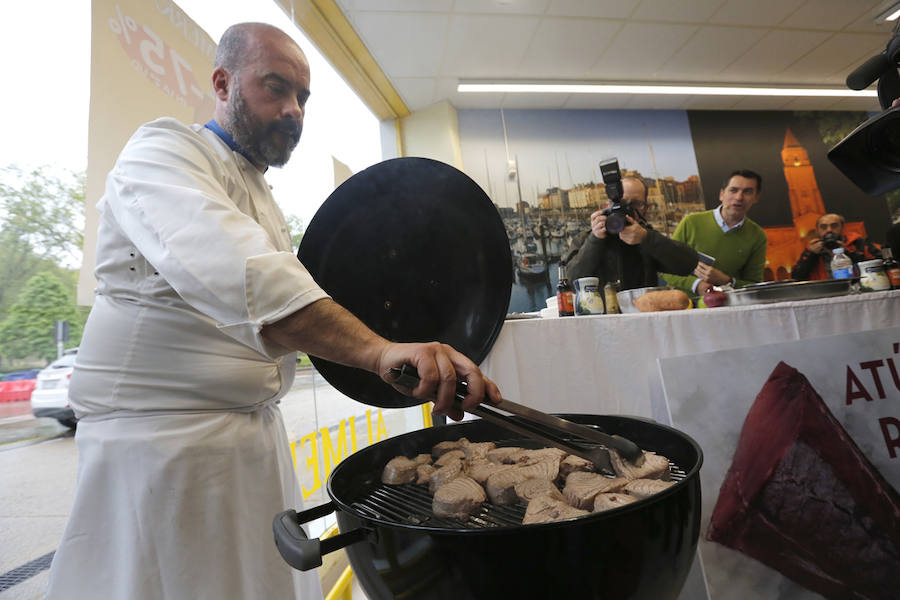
{"points": [[183, 455]]}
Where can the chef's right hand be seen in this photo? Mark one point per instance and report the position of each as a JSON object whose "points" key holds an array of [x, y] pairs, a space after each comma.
{"points": [[598, 224], [439, 366]]}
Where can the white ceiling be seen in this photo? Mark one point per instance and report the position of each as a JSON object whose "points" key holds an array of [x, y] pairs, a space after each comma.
{"points": [[426, 46]]}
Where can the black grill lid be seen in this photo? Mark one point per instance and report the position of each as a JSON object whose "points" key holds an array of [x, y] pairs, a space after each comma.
{"points": [[417, 251]]}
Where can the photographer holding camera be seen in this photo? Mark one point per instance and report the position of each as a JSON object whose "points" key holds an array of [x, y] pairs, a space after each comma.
{"points": [[623, 247], [829, 234]]}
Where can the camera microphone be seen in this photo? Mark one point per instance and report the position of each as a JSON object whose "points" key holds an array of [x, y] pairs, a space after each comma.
{"points": [[867, 73]]}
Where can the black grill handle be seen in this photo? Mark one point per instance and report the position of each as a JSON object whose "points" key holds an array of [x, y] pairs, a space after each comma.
{"points": [[297, 549]]}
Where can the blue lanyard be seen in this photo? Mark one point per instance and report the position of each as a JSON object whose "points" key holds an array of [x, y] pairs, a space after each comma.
{"points": [[229, 141]]}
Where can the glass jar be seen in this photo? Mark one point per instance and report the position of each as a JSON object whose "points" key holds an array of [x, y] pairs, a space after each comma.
{"points": [[872, 277], [588, 300]]}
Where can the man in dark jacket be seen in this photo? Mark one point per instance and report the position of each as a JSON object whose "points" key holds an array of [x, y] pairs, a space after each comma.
{"points": [[815, 261], [634, 256]]}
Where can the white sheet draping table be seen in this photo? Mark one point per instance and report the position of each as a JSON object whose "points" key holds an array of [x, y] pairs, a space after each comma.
{"points": [[607, 364]]}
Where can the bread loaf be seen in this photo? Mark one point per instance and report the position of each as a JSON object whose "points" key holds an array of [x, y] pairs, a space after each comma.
{"points": [[662, 300]]}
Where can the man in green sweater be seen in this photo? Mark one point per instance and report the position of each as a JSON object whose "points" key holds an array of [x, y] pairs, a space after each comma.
{"points": [[725, 233]]}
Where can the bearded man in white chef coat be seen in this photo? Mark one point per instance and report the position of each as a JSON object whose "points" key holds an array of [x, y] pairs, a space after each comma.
{"points": [[201, 305]]}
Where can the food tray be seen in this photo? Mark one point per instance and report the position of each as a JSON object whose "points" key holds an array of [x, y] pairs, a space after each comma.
{"points": [[784, 291]]}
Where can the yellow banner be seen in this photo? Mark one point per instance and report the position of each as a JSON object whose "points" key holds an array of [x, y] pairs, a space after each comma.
{"points": [[148, 60]]}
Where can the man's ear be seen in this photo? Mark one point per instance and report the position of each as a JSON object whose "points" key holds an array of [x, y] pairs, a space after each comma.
{"points": [[221, 81]]}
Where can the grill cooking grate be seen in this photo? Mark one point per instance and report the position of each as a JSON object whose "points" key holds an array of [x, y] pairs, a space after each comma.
{"points": [[410, 504]]}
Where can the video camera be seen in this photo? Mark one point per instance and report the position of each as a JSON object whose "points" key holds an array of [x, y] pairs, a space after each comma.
{"points": [[870, 155], [616, 213]]}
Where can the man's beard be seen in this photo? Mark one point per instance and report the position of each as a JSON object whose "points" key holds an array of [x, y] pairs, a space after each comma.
{"points": [[255, 137]]}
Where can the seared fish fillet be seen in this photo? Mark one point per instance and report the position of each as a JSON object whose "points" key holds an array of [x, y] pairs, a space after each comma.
{"points": [[656, 466], [608, 501], [573, 463], [530, 457], [503, 455], [399, 470], [545, 509], [482, 469], [644, 488], [475, 450], [423, 474], [445, 474], [458, 498], [444, 447], [532, 488], [448, 457], [581, 488], [501, 486]]}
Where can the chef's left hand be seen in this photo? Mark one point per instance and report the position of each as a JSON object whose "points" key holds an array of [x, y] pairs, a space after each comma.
{"points": [[439, 366], [633, 234], [711, 274]]}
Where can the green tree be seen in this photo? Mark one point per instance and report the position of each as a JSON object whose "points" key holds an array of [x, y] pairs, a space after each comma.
{"points": [[41, 225], [27, 330], [296, 229]]}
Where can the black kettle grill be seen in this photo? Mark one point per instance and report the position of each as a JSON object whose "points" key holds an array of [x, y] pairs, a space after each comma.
{"points": [[417, 251]]}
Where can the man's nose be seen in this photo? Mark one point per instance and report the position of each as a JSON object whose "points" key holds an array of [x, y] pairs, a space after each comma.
{"points": [[292, 109]]}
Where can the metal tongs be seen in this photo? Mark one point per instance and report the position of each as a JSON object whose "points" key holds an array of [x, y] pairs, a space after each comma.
{"points": [[540, 426]]}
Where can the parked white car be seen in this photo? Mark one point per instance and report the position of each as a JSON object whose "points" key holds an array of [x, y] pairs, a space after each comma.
{"points": [[50, 397]]}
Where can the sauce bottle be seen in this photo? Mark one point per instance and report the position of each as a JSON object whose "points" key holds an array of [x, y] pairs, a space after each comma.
{"points": [[610, 299], [565, 294], [891, 268]]}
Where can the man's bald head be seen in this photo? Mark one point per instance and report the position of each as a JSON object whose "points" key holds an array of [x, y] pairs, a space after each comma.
{"points": [[239, 44]]}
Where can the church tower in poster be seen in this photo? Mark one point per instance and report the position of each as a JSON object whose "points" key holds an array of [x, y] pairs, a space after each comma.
{"points": [[786, 243], [806, 200]]}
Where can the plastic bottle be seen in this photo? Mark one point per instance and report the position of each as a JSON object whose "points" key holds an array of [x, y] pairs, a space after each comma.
{"points": [[565, 294], [891, 268], [841, 265]]}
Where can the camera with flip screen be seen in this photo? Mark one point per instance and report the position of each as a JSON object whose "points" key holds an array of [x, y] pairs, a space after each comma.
{"points": [[617, 212]]}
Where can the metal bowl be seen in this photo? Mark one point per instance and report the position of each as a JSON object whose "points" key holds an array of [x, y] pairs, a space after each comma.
{"points": [[627, 297]]}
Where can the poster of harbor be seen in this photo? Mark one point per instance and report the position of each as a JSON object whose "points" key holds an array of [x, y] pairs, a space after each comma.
{"points": [[540, 168]]}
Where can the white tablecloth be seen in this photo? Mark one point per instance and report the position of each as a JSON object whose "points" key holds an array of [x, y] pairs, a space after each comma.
{"points": [[606, 364]]}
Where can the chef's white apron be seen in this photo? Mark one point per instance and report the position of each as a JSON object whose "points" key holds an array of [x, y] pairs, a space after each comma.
{"points": [[180, 507]]}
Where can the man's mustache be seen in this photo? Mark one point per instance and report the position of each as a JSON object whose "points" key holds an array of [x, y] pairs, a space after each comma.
{"points": [[287, 127]]}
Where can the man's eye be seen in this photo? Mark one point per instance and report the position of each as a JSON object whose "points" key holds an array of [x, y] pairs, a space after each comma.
{"points": [[276, 89]]}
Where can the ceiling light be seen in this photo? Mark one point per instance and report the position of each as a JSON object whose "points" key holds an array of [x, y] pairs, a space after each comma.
{"points": [[697, 90], [891, 14]]}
